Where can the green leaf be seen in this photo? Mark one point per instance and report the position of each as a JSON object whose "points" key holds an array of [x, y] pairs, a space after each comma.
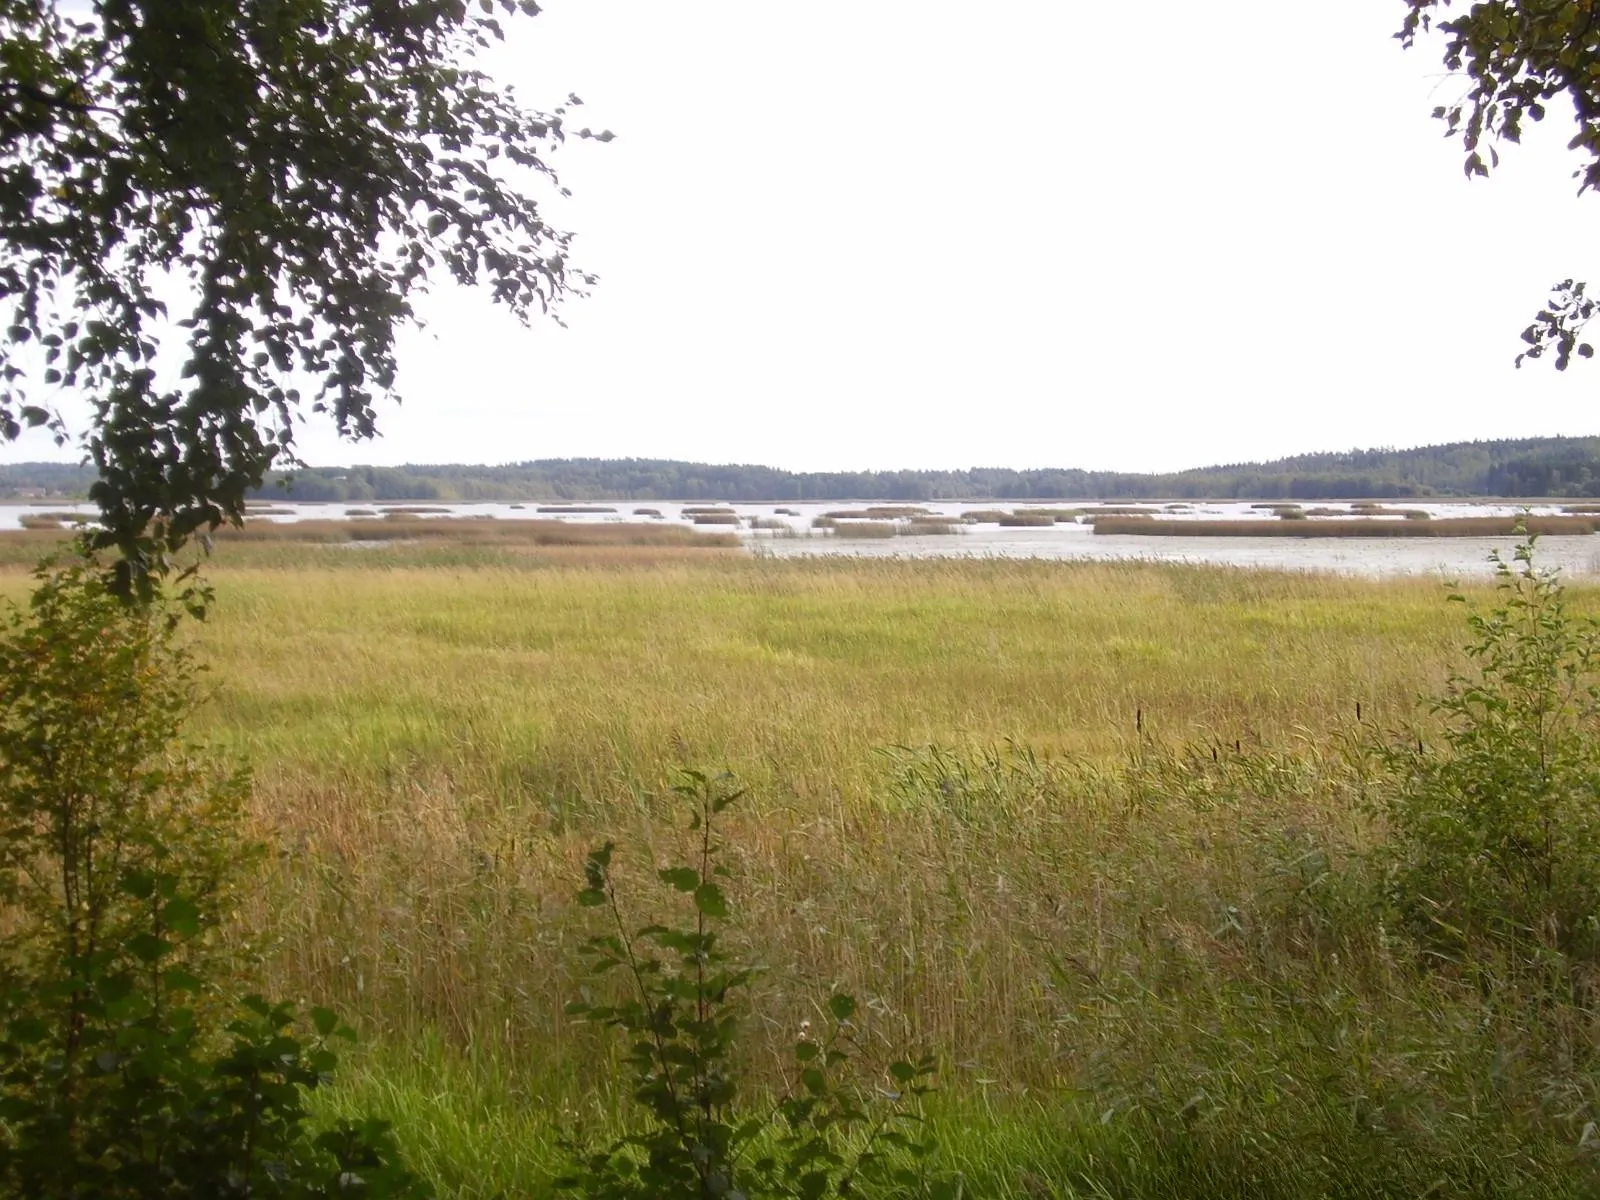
{"points": [[178, 980], [684, 879], [181, 916], [324, 1021], [148, 948], [708, 898], [842, 1006]]}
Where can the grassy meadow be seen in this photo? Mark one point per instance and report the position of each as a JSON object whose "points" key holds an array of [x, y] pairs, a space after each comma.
{"points": [[1088, 832]]}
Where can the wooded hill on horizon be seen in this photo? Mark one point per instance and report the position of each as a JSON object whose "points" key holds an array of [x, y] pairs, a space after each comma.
{"points": [[1522, 467]]}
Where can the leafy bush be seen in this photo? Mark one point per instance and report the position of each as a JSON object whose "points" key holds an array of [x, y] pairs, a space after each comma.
{"points": [[1495, 832], [681, 1015], [126, 1068]]}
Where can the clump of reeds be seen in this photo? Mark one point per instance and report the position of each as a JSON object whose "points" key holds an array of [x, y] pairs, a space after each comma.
{"points": [[824, 522], [695, 510], [1354, 527], [647, 512], [1063, 515], [787, 512], [39, 521], [715, 518], [1581, 508], [61, 516], [768, 523], [864, 529], [918, 527], [1097, 518], [1116, 510], [269, 510], [1026, 520], [877, 512], [406, 510], [984, 516], [575, 508], [359, 512], [473, 531]]}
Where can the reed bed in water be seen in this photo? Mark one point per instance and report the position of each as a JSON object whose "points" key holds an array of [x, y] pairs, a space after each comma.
{"points": [[473, 531], [863, 529], [877, 512], [1064, 515], [1354, 527]]}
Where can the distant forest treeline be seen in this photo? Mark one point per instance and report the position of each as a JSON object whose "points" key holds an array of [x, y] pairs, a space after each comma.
{"points": [[1521, 467]]}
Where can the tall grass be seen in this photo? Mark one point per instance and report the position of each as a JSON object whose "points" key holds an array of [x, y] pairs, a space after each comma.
{"points": [[1083, 828]]}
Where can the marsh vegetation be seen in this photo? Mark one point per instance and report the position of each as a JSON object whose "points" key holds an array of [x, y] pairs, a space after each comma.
{"points": [[1097, 836]]}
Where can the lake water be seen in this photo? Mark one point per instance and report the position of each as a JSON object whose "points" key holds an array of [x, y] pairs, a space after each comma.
{"points": [[1576, 556]]}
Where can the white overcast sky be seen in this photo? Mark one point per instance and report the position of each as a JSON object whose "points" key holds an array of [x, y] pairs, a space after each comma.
{"points": [[877, 234]]}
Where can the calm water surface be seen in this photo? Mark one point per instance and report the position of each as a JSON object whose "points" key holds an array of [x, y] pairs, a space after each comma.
{"points": [[1446, 557]]}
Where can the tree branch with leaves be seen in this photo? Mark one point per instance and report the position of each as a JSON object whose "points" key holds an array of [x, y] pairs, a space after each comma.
{"points": [[296, 170], [1518, 57]]}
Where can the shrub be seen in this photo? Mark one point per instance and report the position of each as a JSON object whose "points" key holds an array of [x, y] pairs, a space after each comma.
{"points": [[681, 1015], [121, 1071], [1495, 831]]}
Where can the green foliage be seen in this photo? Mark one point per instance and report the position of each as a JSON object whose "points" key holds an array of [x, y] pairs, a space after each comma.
{"points": [[681, 1017], [1496, 831], [122, 1072], [1520, 56], [301, 165], [1509, 467]]}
